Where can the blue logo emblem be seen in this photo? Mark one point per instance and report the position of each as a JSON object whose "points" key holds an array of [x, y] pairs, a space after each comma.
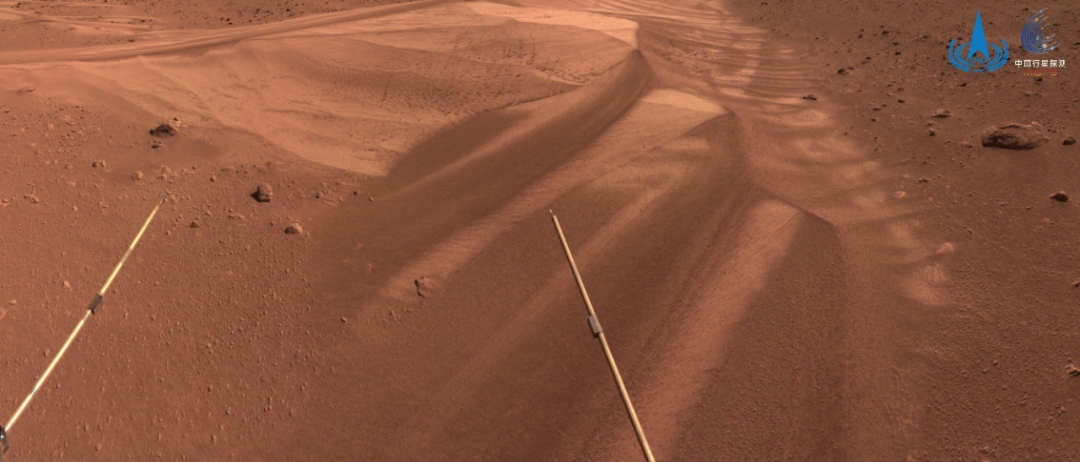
{"points": [[1033, 37], [975, 56]]}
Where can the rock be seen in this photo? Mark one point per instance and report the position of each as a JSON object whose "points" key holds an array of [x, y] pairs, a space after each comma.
{"points": [[1076, 283], [32, 198], [1014, 136], [137, 176], [263, 193], [966, 144], [423, 286], [194, 224], [1073, 370], [294, 229], [164, 130], [942, 113], [1069, 141], [810, 97], [67, 286], [236, 216], [1060, 196], [845, 70], [343, 319], [931, 132], [13, 302], [98, 164]]}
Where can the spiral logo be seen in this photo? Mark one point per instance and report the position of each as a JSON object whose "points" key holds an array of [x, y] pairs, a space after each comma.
{"points": [[1034, 37]]}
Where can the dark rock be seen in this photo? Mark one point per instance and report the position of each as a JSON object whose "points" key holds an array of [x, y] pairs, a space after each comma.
{"points": [[1069, 141], [1060, 196], [194, 224], [423, 286], [264, 193], [811, 97], [1014, 136], [164, 130]]}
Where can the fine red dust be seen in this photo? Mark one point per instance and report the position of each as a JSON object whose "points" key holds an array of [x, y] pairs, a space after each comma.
{"points": [[794, 238]]}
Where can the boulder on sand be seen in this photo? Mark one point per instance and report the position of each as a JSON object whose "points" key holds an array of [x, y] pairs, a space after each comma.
{"points": [[164, 130], [1014, 136]]}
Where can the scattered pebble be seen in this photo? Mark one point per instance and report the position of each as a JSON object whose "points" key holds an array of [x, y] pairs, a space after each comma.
{"points": [[1060, 196]]}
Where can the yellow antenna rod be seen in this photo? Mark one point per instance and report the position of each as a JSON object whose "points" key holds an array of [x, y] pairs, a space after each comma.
{"points": [[94, 305], [594, 324]]}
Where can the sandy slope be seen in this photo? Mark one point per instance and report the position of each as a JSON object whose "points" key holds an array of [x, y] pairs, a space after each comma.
{"points": [[754, 266]]}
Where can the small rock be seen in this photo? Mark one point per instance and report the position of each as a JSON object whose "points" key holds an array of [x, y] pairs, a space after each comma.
{"points": [[137, 176], [1014, 136], [294, 229], [924, 180], [845, 70], [1073, 370], [154, 144], [194, 224], [966, 144], [98, 164], [931, 132], [1060, 196], [67, 286], [343, 319], [264, 193], [32, 198], [810, 97], [1069, 141], [164, 130], [13, 302], [941, 113], [423, 286], [1076, 283], [236, 216]]}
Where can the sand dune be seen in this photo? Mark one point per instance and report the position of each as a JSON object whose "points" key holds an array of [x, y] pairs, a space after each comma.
{"points": [[741, 249]]}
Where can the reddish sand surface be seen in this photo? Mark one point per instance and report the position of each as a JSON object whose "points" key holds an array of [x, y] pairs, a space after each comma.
{"points": [[781, 276]]}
